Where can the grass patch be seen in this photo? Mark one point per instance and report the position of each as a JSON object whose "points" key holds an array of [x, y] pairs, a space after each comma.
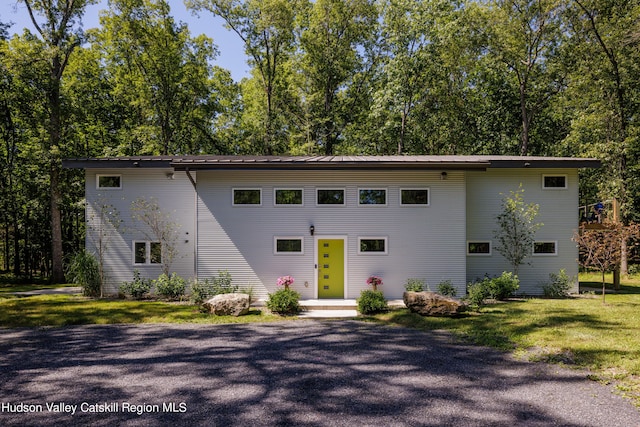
{"points": [[579, 331], [62, 310]]}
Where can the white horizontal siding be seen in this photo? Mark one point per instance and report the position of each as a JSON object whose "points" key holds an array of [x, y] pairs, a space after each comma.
{"points": [[175, 197], [558, 213], [423, 242]]}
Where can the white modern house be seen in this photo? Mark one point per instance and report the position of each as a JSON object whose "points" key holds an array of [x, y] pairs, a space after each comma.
{"points": [[330, 222]]}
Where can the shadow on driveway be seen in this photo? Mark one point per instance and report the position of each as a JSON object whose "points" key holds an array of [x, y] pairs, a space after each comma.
{"points": [[307, 373]]}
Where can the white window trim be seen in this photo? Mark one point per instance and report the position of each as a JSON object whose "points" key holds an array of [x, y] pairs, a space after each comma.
{"points": [[233, 191], [555, 244], [344, 192], [147, 255], [386, 245], [480, 241], [284, 205], [566, 181], [411, 205], [275, 245], [365, 205], [98, 176]]}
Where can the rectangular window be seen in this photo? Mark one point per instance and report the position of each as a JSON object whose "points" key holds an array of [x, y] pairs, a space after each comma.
{"points": [[247, 197], [545, 248], [108, 182], [288, 197], [372, 197], [478, 248], [372, 245], [554, 182], [330, 196], [288, 245], [145, 253], [414, 196]]}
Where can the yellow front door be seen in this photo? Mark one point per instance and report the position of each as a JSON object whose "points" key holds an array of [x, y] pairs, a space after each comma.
{"points": [[330, 268]]}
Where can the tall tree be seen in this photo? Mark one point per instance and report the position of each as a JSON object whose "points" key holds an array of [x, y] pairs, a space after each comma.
{"points": [[162, 73], [266, 27], [332, 39], [523, 37], [58, 22]]}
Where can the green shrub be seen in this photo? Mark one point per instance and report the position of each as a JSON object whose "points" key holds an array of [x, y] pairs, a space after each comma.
{"points": [[559, 285], [371, 302], [83, 269], [137, 288], [284, 302], [207, 288], [414, 285], [502, 287], [476, 294], [171, 287], [446, 288]]}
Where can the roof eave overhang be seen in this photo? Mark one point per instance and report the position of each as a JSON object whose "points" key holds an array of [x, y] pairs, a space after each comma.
{"points": [[328, 166]]}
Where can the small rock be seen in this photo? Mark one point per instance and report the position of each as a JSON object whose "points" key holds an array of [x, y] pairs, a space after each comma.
{"points": [[433, 304], [228, 304]]}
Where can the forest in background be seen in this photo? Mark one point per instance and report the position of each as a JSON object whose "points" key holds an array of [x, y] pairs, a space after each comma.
{"points": [[328, 77]]}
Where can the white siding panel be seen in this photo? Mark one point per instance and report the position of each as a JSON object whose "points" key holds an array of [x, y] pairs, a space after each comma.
{"points": [[423, 242], [558, 213], [176, 197]]}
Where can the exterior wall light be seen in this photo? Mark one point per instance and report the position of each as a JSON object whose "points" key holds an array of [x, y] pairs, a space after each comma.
{"points": [[312, 229], [443, 176]]}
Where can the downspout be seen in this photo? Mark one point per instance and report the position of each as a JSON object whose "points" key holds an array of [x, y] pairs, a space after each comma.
{"points": [[195, 224]]}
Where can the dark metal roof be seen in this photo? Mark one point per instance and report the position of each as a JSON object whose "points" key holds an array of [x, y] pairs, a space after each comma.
{"points": [[332, 162]]}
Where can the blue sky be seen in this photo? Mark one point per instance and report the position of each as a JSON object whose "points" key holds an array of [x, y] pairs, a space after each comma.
{"points": [[229, 44]]}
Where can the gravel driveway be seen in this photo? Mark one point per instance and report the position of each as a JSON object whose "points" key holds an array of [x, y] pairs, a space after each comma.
{"points": [[307, 373]]}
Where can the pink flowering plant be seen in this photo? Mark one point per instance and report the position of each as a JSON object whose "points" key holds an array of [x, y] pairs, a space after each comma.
{"points": [[285, 281], [374, 281]]}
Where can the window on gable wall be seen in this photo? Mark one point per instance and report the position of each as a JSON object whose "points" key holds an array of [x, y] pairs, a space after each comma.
{"points": [[545, 248], [108, 182], [146, 253], [554, 182]]}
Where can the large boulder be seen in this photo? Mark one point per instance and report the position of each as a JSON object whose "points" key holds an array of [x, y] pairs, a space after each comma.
{"points": [[228, 304], [433, 304]]}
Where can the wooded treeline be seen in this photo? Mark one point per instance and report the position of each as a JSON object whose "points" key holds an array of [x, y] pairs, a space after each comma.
{"points": [[518, 77]]}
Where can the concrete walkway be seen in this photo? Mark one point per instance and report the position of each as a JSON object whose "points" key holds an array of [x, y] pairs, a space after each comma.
{"points": [[68, 290]]}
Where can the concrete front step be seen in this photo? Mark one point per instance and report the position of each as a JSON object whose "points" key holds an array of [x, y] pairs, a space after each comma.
{"points": [[338, 304]]}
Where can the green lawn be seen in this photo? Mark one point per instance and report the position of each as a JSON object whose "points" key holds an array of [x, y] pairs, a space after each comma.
{"points": [[580, 331]]}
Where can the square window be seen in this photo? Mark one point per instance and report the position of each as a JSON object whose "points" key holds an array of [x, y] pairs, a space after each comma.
{"points": [[545, 248], [414, 197], [478, 248], [288, 197], [372, 197], [330, 197], [372, 245], [108, 182], [288, 245], [557, 182], [247, 197]]}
